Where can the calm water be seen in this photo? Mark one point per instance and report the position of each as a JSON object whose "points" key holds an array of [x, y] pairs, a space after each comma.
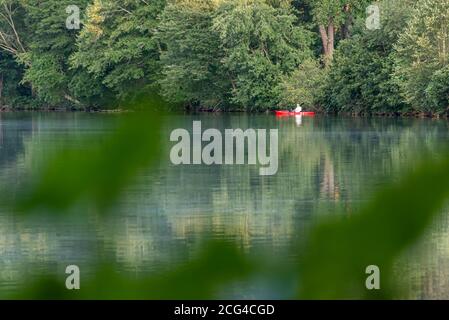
{"points": [[327, 165]]}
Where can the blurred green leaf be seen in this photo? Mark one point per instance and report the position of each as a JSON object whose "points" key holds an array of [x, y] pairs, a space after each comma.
{"points": [[339, 250], [216, 266]]}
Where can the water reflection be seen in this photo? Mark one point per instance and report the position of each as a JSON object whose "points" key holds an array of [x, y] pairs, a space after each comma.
{"points": [[12, 135], [326, 164]]}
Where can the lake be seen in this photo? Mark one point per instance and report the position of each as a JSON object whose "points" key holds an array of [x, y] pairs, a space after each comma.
{"points": [[327, 166]]}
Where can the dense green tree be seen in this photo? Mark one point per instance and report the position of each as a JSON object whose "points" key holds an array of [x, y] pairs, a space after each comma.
{"points": [[360, 79], [12, 28], [231, 53], [12, 92], [331, 16], [437, 91], [34, 33], [191, 56], [421, 52], [250, 55], [12, 46], [49, 45], [304, 86], [261, 44], [117, 46]]}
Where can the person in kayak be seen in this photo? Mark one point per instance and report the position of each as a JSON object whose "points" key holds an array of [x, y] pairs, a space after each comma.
{"points": [[298, 109]]}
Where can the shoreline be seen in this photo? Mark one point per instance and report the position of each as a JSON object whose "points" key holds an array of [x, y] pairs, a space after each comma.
{"points": [[61, 110], [409, 114]]}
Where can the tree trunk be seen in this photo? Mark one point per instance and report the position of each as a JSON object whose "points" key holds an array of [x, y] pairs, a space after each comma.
{"points": [[71, 99], [328, 41], [345, 29], [324, 40]]}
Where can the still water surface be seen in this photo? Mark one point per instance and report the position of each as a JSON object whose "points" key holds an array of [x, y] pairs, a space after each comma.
{"points": [[326, 165]]}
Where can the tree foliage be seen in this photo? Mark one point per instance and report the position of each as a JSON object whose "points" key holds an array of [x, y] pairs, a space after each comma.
{"points": [[252, 55], [261, 44], [360, 80], [234, 53], [422, 51], [117, 45], [192, 71], [49, 45], [304, 86]]}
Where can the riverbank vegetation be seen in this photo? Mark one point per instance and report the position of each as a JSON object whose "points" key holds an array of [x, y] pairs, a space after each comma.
{"points": [[230, 55]]}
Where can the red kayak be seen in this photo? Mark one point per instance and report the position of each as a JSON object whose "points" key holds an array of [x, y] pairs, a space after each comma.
{"points": [[286, 113]]}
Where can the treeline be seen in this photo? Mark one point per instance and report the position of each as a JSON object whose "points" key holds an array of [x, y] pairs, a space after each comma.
{"points": [[251, 55]]}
